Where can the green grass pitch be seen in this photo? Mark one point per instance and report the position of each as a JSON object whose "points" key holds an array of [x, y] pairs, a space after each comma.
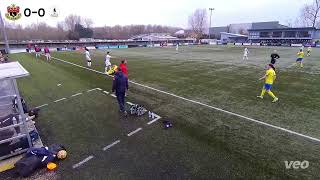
{"points": [[204, 143]]}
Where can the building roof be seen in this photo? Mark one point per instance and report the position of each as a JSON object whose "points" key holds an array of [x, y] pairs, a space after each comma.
{"points": [[180, 32], [217, 30], [283, 29], [233, 35], [267, 25], [154, 36], [12, 70]]}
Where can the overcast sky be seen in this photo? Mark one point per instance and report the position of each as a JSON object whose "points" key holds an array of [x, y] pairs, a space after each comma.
{"points": [[163, 12]]}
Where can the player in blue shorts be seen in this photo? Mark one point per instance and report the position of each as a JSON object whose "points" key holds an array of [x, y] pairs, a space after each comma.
{"points": [[300, 55]]}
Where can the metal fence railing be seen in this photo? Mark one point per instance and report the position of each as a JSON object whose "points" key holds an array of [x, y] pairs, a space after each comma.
{"points": [[14, 135]]}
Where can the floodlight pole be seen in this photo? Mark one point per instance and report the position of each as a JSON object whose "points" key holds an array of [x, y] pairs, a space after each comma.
{"points": [[210, 9], [4, 34]]}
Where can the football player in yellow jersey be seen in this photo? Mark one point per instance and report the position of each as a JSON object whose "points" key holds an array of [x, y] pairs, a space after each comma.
{"points": [[269, 78], [300, 55]]}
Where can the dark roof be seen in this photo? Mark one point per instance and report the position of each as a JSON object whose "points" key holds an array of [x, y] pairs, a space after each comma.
{"points": [[233, 35], [282, 29], [283, 26], [217, 30], [265, 25]]}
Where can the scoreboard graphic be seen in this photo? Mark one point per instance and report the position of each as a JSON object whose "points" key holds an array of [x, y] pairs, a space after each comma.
{"points": [[14, 12]]}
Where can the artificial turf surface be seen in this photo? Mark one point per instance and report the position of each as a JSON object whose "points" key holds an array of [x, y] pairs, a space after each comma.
{"points": [[204, 143]]}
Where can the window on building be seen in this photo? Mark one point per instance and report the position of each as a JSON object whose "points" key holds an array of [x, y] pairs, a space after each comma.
{"points": [[265, 34], [304, 34], [277, 34], [290, 34], [254, 34]]}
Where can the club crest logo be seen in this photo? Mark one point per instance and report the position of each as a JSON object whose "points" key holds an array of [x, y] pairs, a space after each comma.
{"points": [[13, 12], [54, 12]]}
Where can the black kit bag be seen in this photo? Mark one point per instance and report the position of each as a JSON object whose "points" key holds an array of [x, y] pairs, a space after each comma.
{"points": [[28, 165]]}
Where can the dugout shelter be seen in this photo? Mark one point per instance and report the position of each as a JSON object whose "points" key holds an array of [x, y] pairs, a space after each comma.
{"points": [[14, 135]]}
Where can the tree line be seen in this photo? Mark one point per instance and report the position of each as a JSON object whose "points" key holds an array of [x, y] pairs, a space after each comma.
{"points": [[75, 27]]}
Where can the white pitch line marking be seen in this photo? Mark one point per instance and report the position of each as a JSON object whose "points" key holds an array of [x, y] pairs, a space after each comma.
{"points": [[106, 92], [113, 95], [80, 66], [82, 162], [58, 100], [76, 94], [135, 131], [294, 64], [5, 120], [206, 105], [130, 103], [156, 119], [110, 145], [99, 89], [43, 105], [92, 90]]}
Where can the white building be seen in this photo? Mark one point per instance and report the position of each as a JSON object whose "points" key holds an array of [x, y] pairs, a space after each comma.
{"points": [[154, 37]]}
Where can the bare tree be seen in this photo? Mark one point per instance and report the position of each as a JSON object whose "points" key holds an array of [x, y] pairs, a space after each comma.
{"points": [[87, 22], [65, 29], [125, 32], [61, 26], [198, 22], [310, 13], [289, 23], [71, 20], [228, 29]]}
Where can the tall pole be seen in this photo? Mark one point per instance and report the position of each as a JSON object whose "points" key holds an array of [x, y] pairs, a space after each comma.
{"points": [[4, 34], [210, 9]]}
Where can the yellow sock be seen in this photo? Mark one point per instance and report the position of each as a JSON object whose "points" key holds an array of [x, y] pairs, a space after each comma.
{"points": [[263, 92], [271, 94]]}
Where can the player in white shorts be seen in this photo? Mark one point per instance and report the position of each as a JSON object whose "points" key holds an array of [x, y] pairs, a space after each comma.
{"points": [[47, 53], [107, 62], [245, 53], [88, 57]]}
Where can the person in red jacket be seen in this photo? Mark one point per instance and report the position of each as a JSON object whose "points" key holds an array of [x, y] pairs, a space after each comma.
{"points": [[123, 67]]}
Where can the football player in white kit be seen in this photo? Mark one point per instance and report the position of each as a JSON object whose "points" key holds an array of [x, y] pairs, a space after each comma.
{"points": [[245, 53], [88, 57], [107, 62]]}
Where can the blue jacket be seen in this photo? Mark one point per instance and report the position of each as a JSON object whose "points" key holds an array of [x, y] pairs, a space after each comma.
{"points": [[120, 83], [43, 153]]}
